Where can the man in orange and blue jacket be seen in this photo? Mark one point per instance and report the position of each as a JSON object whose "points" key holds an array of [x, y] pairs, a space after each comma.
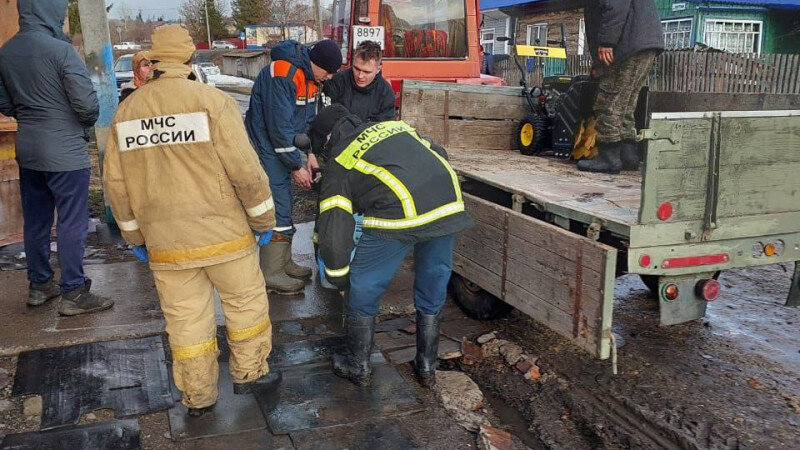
{"points": [[282, 105]]}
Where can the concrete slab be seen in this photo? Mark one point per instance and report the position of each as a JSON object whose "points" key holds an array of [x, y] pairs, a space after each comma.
{"points": [[127, 376], [135, 314], [382, 434], [313, 397], [119, 434], [233, 414]]}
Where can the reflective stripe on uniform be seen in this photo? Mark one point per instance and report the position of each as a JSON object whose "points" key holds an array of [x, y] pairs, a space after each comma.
{"points": [[128, 225], [368, 139], [194, 351], [261, 208], [285, 149], [200, 253], [398, 224], [337, 273], [337, 201], [399, 189], [249, 332], [279, 229]]}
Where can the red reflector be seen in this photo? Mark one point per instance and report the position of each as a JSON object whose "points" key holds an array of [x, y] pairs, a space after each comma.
{"points": [[664, 211], [692, 261], [708, 290], [644, 261]]}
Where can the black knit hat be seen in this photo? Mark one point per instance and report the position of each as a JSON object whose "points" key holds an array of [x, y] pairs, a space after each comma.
{"points": [[323, 125], [327, 55]]}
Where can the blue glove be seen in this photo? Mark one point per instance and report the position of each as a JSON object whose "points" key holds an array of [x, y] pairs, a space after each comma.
{"points": [[263, 238], [141, 252]]}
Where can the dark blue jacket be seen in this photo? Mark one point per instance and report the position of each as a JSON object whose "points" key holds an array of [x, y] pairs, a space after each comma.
{"points": [[282, 104], [46, 87]]}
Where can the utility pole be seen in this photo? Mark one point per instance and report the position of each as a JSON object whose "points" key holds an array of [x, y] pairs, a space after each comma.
{"points": [[318, 20], [208, 25], [100, 62]]}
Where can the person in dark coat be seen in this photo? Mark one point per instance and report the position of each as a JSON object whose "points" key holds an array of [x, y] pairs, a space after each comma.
{"points": [[624, 37], [46, 87], [361, 88]]}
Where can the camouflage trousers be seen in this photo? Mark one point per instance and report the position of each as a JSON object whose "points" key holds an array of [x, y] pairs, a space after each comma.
{"points": [[617, 96]]}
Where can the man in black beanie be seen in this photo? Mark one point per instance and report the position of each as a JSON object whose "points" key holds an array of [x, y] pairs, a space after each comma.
{"points": [[282, 104]]}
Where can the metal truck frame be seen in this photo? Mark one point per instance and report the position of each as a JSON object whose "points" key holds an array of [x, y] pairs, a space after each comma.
{"points": [[717, 191]]}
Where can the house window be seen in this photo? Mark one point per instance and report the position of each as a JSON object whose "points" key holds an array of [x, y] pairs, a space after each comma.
{"points": [[581, 37], [735, 36], [487, 40], [537, 34], [677, 33]]}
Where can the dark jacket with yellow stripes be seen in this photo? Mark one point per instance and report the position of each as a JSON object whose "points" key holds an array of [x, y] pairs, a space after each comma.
{"points": [[402, 184]]}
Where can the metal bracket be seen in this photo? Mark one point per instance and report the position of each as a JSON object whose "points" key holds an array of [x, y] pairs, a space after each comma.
{"points": [[648, 134], [517, 200], [593, 232], [712, 183]]}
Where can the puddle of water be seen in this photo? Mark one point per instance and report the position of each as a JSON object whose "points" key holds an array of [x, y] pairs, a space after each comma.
{"points": [[513, 421]]}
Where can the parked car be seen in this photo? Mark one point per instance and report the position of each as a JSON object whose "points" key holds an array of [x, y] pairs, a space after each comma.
{"points": [[200, 75], [123, 70], [127, 46], [209, 68], [222, 45]]}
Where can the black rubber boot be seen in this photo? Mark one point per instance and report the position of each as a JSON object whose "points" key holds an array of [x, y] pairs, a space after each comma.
{"points": [[200, 412], [606, 161], [629, 154], [354, 363], [268, 381], [81, 301], [41, 293], [428, 327]]}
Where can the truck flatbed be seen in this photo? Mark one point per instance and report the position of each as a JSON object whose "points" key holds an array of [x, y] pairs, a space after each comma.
{"points": [[557, 186]]}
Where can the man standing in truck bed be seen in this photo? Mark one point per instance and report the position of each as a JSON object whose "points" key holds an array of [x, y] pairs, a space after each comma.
{"points": [[624, 37]]}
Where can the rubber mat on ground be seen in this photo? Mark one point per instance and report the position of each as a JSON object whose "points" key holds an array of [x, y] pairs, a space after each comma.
{"points": [[291, 353], [312, 396], [384, 434], [129, 376], [232, 414], [118, 435]]}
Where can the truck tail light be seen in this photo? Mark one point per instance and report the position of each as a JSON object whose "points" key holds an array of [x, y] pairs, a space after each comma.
{"points": [[692, 261], [671, 292], [664, 211], [645, 261], [774, 248], [708, 290]]}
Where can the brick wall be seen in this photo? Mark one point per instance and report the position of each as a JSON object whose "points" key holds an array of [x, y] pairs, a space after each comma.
{"points": [[571, 18]]}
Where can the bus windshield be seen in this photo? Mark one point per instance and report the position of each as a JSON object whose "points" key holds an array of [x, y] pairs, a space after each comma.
{"points": [[424, 28], [336, 22]]}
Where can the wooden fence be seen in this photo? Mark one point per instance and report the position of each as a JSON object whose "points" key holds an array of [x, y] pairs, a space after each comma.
{"points": [[707, 72]]}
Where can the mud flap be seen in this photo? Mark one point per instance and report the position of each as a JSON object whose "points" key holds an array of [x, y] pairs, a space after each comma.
{"points": [[687, 306], [794, 291]]}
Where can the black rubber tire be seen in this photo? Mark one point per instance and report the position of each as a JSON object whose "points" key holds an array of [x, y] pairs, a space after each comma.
{"points": [[477, 303], [537, 143], [651, 281]]}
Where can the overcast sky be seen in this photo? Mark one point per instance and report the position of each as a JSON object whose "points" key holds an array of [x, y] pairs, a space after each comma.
{"points": [[150, 8]]}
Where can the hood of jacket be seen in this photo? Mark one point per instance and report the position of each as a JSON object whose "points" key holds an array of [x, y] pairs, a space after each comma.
{"points": [[343, 133], [45, 15], [296, 54]]}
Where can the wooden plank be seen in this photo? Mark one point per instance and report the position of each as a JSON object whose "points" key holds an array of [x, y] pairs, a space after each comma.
{"points": [[491, 134], [698, 101], [490, 281]]}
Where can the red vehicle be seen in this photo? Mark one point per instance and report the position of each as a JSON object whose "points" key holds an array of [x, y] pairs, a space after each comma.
{"points": [[434, 40]]}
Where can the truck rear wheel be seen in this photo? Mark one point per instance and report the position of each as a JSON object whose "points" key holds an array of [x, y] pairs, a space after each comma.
{"points": [[477, 303], [531, 134]]}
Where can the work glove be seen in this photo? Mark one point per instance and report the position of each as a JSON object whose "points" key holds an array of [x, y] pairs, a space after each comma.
{"points": [[262, 238], [141, 252]]}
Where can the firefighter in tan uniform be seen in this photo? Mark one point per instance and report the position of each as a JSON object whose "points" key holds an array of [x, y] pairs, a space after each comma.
{"points": [[184, 181]]}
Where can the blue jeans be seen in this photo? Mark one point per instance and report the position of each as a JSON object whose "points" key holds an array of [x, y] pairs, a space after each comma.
{"points": [[68, 194], [377, 260], [280, 182]]}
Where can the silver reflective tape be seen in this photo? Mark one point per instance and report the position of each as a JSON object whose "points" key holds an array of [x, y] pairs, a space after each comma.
{"points": [[261, 208], [285, 149], [128, 225]]}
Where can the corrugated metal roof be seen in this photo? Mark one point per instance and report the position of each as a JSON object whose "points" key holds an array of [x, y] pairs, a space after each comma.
{"points": [[494, 4], [773, 4]]}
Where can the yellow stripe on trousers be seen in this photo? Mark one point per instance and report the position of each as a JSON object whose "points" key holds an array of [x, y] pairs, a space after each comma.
{"points": [[249, 332], [201, 253], [194, 351]]}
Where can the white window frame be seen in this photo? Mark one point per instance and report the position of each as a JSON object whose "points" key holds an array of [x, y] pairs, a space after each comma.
{"points": [[509, 33], [759, 37], [581, 37], [682, 19], [542, 43], [489, 41]]}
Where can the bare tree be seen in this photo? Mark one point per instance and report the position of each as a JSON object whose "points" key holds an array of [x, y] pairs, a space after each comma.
{"points": [[287, 12], [194, 14]]}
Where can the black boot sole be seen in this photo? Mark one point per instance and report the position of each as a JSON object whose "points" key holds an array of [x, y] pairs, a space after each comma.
{"points": [[249, 388], [33, 302], [362, 381], [279, 292], [78, 312], [199, 412]]}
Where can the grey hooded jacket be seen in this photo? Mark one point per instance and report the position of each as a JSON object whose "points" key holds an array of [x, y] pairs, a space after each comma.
{"points": [[46, 87], [628, 26]]}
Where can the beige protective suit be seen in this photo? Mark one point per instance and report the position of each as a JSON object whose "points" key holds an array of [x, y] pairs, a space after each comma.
{"points": [[183, 179]]}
